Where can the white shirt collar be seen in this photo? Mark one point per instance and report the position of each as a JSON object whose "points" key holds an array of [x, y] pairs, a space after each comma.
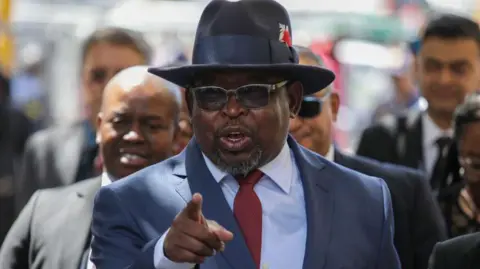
{"points": [[431, 132], [330, 154], [106, 179], [280, 169]]}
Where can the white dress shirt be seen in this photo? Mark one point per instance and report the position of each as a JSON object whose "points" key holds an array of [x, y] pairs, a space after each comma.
{"points": [[330, 154], [431, 132], [284, 226], [106, 179]]}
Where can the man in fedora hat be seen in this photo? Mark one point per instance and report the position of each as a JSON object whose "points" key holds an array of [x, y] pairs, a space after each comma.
{"points": [[244, 194]]}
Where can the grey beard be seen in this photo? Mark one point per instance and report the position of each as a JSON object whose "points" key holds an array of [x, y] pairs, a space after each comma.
{"points": [[242, 168]]}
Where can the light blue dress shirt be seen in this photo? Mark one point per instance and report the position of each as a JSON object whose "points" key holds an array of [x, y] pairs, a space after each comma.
{"points": [[284, 223]]}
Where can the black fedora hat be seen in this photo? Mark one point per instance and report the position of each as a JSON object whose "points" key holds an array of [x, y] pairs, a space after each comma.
{"points": [[246, 35]]}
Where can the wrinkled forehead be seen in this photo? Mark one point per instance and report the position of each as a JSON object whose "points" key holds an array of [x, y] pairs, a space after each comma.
{"points": [[232, 79]]}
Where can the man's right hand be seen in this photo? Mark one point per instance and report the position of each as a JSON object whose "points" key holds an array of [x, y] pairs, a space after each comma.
{"points": [[192, 238]]}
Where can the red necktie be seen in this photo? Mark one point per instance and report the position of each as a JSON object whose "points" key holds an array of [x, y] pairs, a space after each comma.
{"points": [[247, 209]]}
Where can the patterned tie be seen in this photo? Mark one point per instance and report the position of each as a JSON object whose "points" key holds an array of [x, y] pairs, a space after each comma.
{"points": [[247, 210]]}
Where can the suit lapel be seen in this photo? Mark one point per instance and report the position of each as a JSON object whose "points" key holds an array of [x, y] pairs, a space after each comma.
{"points": [[413, 156], [319, 203], [77, 223], [215, 207], [67, 157]]}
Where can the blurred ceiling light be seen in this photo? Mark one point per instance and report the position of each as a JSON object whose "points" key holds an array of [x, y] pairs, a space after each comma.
{"points": [[31, 54], [358, 52]]}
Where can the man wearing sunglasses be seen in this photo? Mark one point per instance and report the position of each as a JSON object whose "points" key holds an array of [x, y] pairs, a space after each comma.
{"points": [[64, 155], [418, 222], [244, 194]]}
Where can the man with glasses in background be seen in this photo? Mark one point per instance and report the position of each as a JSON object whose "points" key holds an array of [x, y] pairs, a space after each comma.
{"points": [[418, 222], [64, 155]]}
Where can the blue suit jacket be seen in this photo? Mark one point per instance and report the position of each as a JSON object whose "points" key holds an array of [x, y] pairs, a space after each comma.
{"points": [[349, 215]]}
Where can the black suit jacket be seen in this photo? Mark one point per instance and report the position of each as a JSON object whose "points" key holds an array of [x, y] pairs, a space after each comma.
{"points": [[52, 157], [462, 252], [379, 142], [53, 230], [418, 221]]}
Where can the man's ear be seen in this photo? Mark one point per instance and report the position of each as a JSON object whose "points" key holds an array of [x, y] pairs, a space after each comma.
{"points": [[334, 105], [189, 101], [98, 137], [295, 97]]}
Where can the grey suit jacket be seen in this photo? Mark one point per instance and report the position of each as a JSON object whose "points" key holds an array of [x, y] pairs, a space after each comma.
{"points": [[51, 159], [52, 231]]}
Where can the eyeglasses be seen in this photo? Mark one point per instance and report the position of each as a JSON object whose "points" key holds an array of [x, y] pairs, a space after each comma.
{"points": [[312, 106], [250, 96]]}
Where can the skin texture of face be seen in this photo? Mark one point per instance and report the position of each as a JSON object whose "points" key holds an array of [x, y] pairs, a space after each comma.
{"points": [[316, 133], [101, 63], [137, 123], [265, 128], [447, 70]]}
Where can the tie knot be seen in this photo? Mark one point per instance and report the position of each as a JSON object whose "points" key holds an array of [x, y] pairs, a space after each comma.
{"points": [[251, 179], [443, 142]]}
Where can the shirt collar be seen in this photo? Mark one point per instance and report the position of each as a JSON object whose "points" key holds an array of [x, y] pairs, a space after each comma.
{"points": [[431, 132], [277, 169], [106, 179], [330, 154]]}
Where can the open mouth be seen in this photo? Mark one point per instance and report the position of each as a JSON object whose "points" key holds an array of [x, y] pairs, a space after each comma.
{"points": [[133, 159], [235, 139]]}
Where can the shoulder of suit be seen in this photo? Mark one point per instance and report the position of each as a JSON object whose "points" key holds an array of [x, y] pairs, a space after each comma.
{"points": [[389, 123], [460, 244], [52, 135], [382, 168], [159, 173], [354, 176], [53, 194]]}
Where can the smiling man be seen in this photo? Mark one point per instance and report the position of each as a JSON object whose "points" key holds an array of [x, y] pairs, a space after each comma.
{"points": [[137, 124]]}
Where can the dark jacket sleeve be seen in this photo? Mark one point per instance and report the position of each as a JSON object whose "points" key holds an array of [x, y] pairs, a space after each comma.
{"points": [[26, 182], [437, 259], [428, 226], [14, 253], [377, 143]]}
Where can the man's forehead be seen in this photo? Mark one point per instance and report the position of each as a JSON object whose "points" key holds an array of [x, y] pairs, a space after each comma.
{"points": [[446, 50]]}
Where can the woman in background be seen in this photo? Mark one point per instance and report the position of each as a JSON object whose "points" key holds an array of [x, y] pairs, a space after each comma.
{"points": [[459, 198]]}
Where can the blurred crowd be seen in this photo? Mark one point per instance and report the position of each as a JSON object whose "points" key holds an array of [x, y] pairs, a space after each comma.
{"points": [[423, 142]]}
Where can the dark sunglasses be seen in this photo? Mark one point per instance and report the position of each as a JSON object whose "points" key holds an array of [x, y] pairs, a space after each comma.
{"points": [[250, 96], [312, 106]]}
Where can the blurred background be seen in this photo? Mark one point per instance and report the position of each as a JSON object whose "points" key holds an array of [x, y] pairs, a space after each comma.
{"points": [[367, 42]]}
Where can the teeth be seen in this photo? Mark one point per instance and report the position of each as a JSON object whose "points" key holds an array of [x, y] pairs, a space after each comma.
{"points": [[128, 157]]}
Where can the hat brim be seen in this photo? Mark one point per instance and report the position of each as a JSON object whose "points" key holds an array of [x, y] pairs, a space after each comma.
{"points": [[313, 78]]}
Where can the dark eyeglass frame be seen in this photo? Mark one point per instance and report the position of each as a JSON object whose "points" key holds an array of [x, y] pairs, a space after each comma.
{"points": [[269, 88], [312, 106]]}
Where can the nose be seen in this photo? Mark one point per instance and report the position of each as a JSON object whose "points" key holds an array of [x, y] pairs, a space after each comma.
{"points": [[134, 134], [446, 76], [233, 108]]}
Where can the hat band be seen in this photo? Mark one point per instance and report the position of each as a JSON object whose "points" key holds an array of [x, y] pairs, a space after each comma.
{"points": [[241, 50]]}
